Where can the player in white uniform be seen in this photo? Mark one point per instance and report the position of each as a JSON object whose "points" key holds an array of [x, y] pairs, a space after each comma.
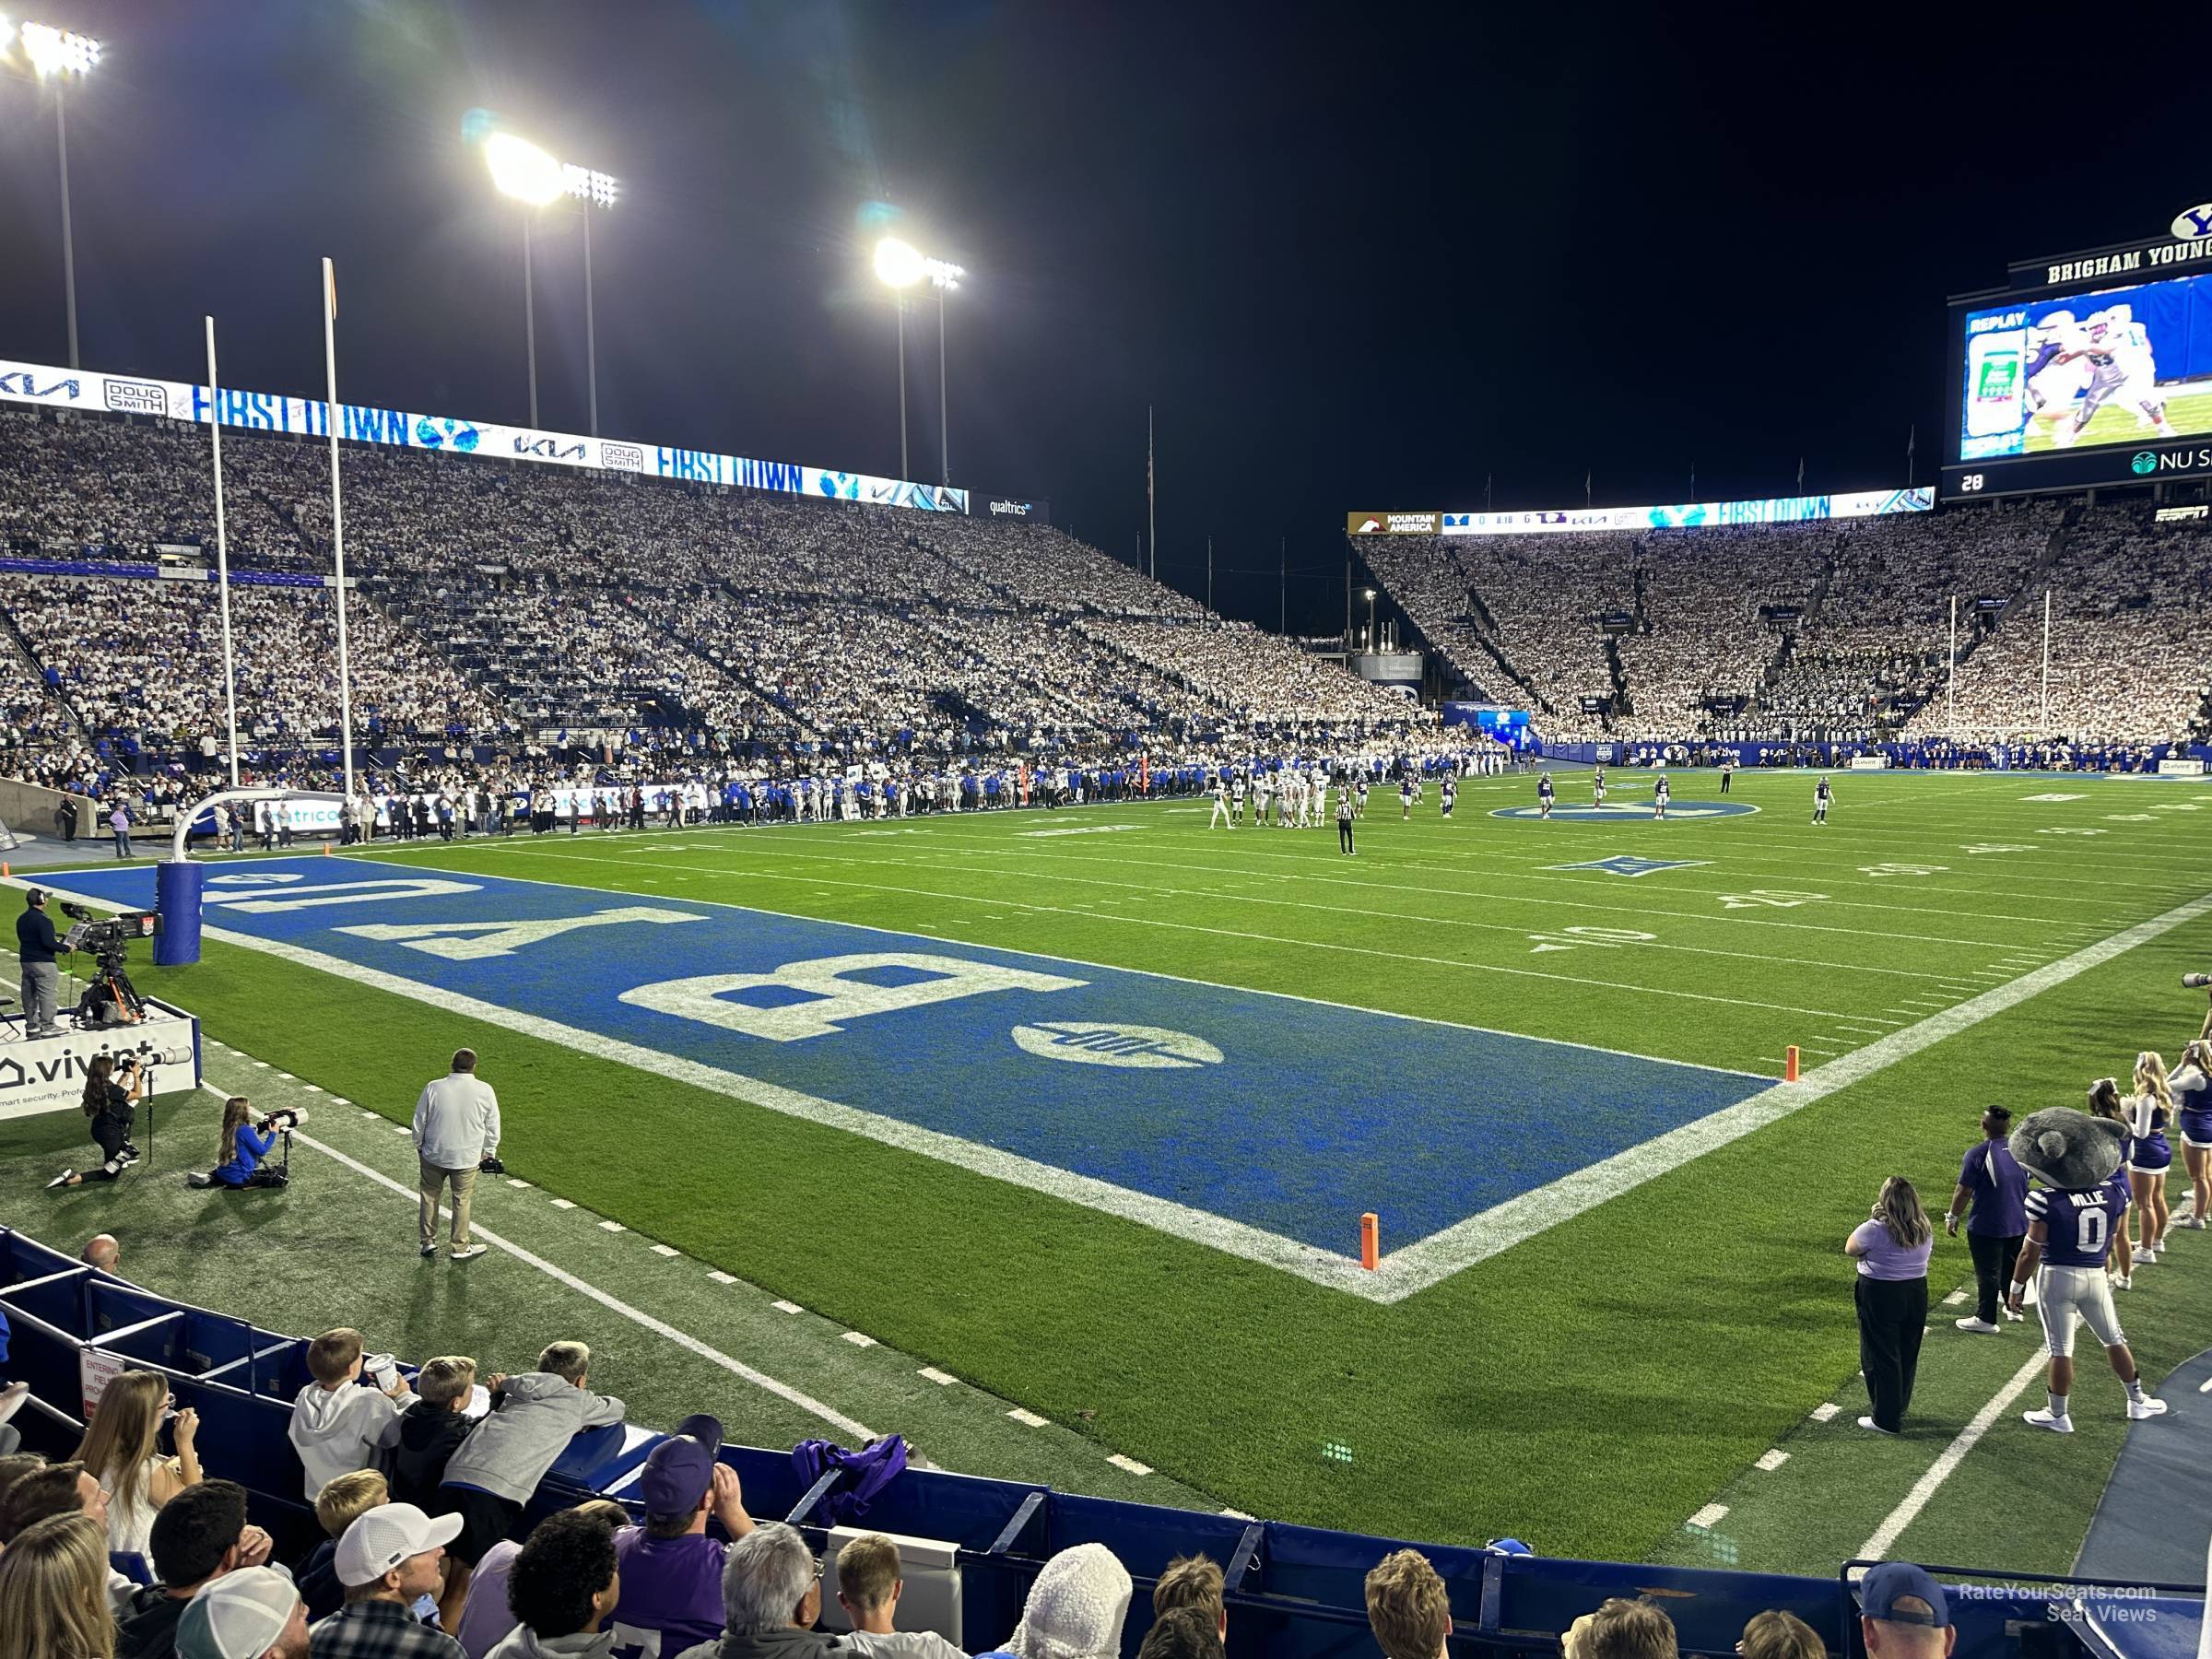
{"points": [[1236, 799], [1220, 806], [1598, 786], [1661, 789], [2117, 350]]}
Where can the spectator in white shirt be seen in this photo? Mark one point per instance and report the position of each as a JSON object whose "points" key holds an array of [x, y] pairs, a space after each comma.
{"points": [[456, 1128]]}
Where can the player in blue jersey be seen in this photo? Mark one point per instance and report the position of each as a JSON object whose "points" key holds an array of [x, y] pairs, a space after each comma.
{"points": [[2073, 1216], [1448, 793], [2150, 1155], [1822, 795], [1404, 796], [1544, 795], [1660, 789]]}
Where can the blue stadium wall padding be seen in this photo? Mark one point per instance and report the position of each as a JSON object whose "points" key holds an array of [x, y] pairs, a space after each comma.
{"points": [[177, 895]]}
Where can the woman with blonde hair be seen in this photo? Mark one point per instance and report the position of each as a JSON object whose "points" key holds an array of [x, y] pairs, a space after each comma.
{"points": [[120, 1452], [1891, 1248], [2105, 1101], [2149, 1155], [54, 1591]]}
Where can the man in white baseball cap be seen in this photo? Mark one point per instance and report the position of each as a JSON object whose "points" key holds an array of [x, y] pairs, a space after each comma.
{"points": [[387, 1561], [250, 1613]]}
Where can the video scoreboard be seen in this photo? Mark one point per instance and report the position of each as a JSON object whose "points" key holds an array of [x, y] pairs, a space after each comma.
{"points": [[2091, 369]]}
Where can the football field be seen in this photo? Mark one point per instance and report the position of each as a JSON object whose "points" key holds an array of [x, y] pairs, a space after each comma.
{"points": [[1045, 1136]]}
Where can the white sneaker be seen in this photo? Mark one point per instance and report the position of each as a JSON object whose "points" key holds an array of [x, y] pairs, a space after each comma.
{"points": [[468, 1252], [1867, 1422], [2043, 1418], [2147, 1258], [2145, 1407], [2193, 1223], [2121, 1281], [1980, 1326]]}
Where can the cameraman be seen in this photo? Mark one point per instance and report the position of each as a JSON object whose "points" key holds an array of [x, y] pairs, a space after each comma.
{"points": [[243, 1144], [35, 948], [112, 1106]]}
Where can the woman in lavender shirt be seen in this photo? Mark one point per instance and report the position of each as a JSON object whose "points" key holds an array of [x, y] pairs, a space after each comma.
{"points": [[1891, 1248]]}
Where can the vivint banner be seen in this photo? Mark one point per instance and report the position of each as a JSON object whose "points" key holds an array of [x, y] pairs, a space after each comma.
{"points": [[309, 418], [1785, 509]]}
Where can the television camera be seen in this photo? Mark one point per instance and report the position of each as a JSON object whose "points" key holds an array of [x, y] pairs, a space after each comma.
{"points": [[109, 999]]}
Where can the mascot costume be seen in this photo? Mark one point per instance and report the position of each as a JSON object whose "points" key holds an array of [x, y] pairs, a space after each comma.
{"points": [[2072, 1216]]}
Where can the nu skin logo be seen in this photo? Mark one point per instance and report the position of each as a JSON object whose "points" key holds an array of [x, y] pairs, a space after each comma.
{"points": [[2150, 461]]}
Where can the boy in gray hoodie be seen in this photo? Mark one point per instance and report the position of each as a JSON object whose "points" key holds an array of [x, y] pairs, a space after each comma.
{"points": [[497, 1468], [338, 1427]]}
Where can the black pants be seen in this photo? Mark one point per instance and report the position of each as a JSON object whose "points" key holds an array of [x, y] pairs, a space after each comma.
{"points": [[1344, 834], [1892, 1315], [1725, 777], [1994, 1257]]}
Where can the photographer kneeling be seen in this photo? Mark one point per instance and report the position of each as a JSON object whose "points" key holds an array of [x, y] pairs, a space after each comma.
{"points": [[112, 1105], [243, 1144]]}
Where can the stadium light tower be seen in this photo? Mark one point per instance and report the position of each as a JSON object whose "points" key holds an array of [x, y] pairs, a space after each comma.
{"points": [[534, 178], [55, 55], [898, 266]]}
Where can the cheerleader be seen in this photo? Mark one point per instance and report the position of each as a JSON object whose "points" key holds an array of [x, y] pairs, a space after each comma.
{"points": [[2105, 1103], [2192, 1086], [2149, 1157]]}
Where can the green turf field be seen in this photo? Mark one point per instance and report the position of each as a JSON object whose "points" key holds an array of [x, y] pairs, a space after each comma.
{"points": [[1603, 1369], [2117, 422]]}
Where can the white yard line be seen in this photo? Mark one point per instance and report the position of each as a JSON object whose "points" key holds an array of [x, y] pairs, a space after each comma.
{"points": [[1929, 1484], [613, 1304]]}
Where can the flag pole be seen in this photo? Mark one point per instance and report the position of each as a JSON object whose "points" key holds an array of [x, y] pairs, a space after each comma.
{"points": [[222, 554], [337, 521], [2046, 731], [1951, 681], [1151, 499]]}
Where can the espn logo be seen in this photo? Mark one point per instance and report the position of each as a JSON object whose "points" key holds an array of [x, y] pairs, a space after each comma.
{"points": [[135, 398], [627, 456]]}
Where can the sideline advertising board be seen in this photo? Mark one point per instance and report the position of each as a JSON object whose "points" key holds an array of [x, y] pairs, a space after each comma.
{"points": [[1686, 515]]}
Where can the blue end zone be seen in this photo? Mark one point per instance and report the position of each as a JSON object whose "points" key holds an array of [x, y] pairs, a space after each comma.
{"points": [[1287, 1115]]}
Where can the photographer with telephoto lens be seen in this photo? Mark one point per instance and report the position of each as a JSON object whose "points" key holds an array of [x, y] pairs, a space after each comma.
{"points": [[113, 1086], [243, 1143]]}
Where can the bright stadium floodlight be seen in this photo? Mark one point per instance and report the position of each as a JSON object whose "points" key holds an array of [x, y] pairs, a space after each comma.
{"points": [[55, 55], [898, 266], [534, 178]]}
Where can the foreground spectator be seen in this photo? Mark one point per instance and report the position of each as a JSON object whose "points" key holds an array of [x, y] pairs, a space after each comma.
{"points": [[484, 1618], [1193, 1581], [671, 1569], [199, 1535], [772, 1595], [1775, 1635], [255, 1613], [561, 1588], [119, 1451], [433, 1431], [533, 1418], [1621, 1628], [1075, 1608], [868, 1587], [339, 1504], [338, 1427], [102, 1252], [1904, 1614], [387, 1561], [1408, 1608], [1181, 1633], [48, 1490], [53, 1601]]}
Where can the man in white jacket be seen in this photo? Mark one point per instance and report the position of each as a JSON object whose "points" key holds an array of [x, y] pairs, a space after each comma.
{"points": [[456, 1127]]}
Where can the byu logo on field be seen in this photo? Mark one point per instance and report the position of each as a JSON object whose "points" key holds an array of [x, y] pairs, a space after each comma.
{"points": [[1087, 1042]]}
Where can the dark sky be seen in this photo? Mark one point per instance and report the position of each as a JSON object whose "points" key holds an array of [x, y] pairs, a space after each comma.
{"points": [[1359, 257]]}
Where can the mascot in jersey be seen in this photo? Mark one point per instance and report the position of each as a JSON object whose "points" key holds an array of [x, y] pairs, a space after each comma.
{"points": [[2074, 1217]]}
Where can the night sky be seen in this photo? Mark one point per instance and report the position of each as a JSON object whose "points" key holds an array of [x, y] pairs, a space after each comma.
{"points": [[1358, 257]]}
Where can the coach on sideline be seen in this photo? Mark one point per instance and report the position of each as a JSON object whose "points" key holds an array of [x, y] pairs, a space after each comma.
{"points": [[35, 947], [456, 1127]]}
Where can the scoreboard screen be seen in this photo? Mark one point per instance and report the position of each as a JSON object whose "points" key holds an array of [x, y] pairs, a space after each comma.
{"points": [[2119, 365], [2087, 369]]}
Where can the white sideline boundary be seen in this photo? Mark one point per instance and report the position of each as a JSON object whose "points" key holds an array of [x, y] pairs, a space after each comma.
{"points": [[612, 1303], [1399, 1275], [1931, 1480]]}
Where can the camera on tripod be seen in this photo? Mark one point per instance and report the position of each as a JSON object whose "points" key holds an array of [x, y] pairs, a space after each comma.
{"points": [[110, 999]]}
